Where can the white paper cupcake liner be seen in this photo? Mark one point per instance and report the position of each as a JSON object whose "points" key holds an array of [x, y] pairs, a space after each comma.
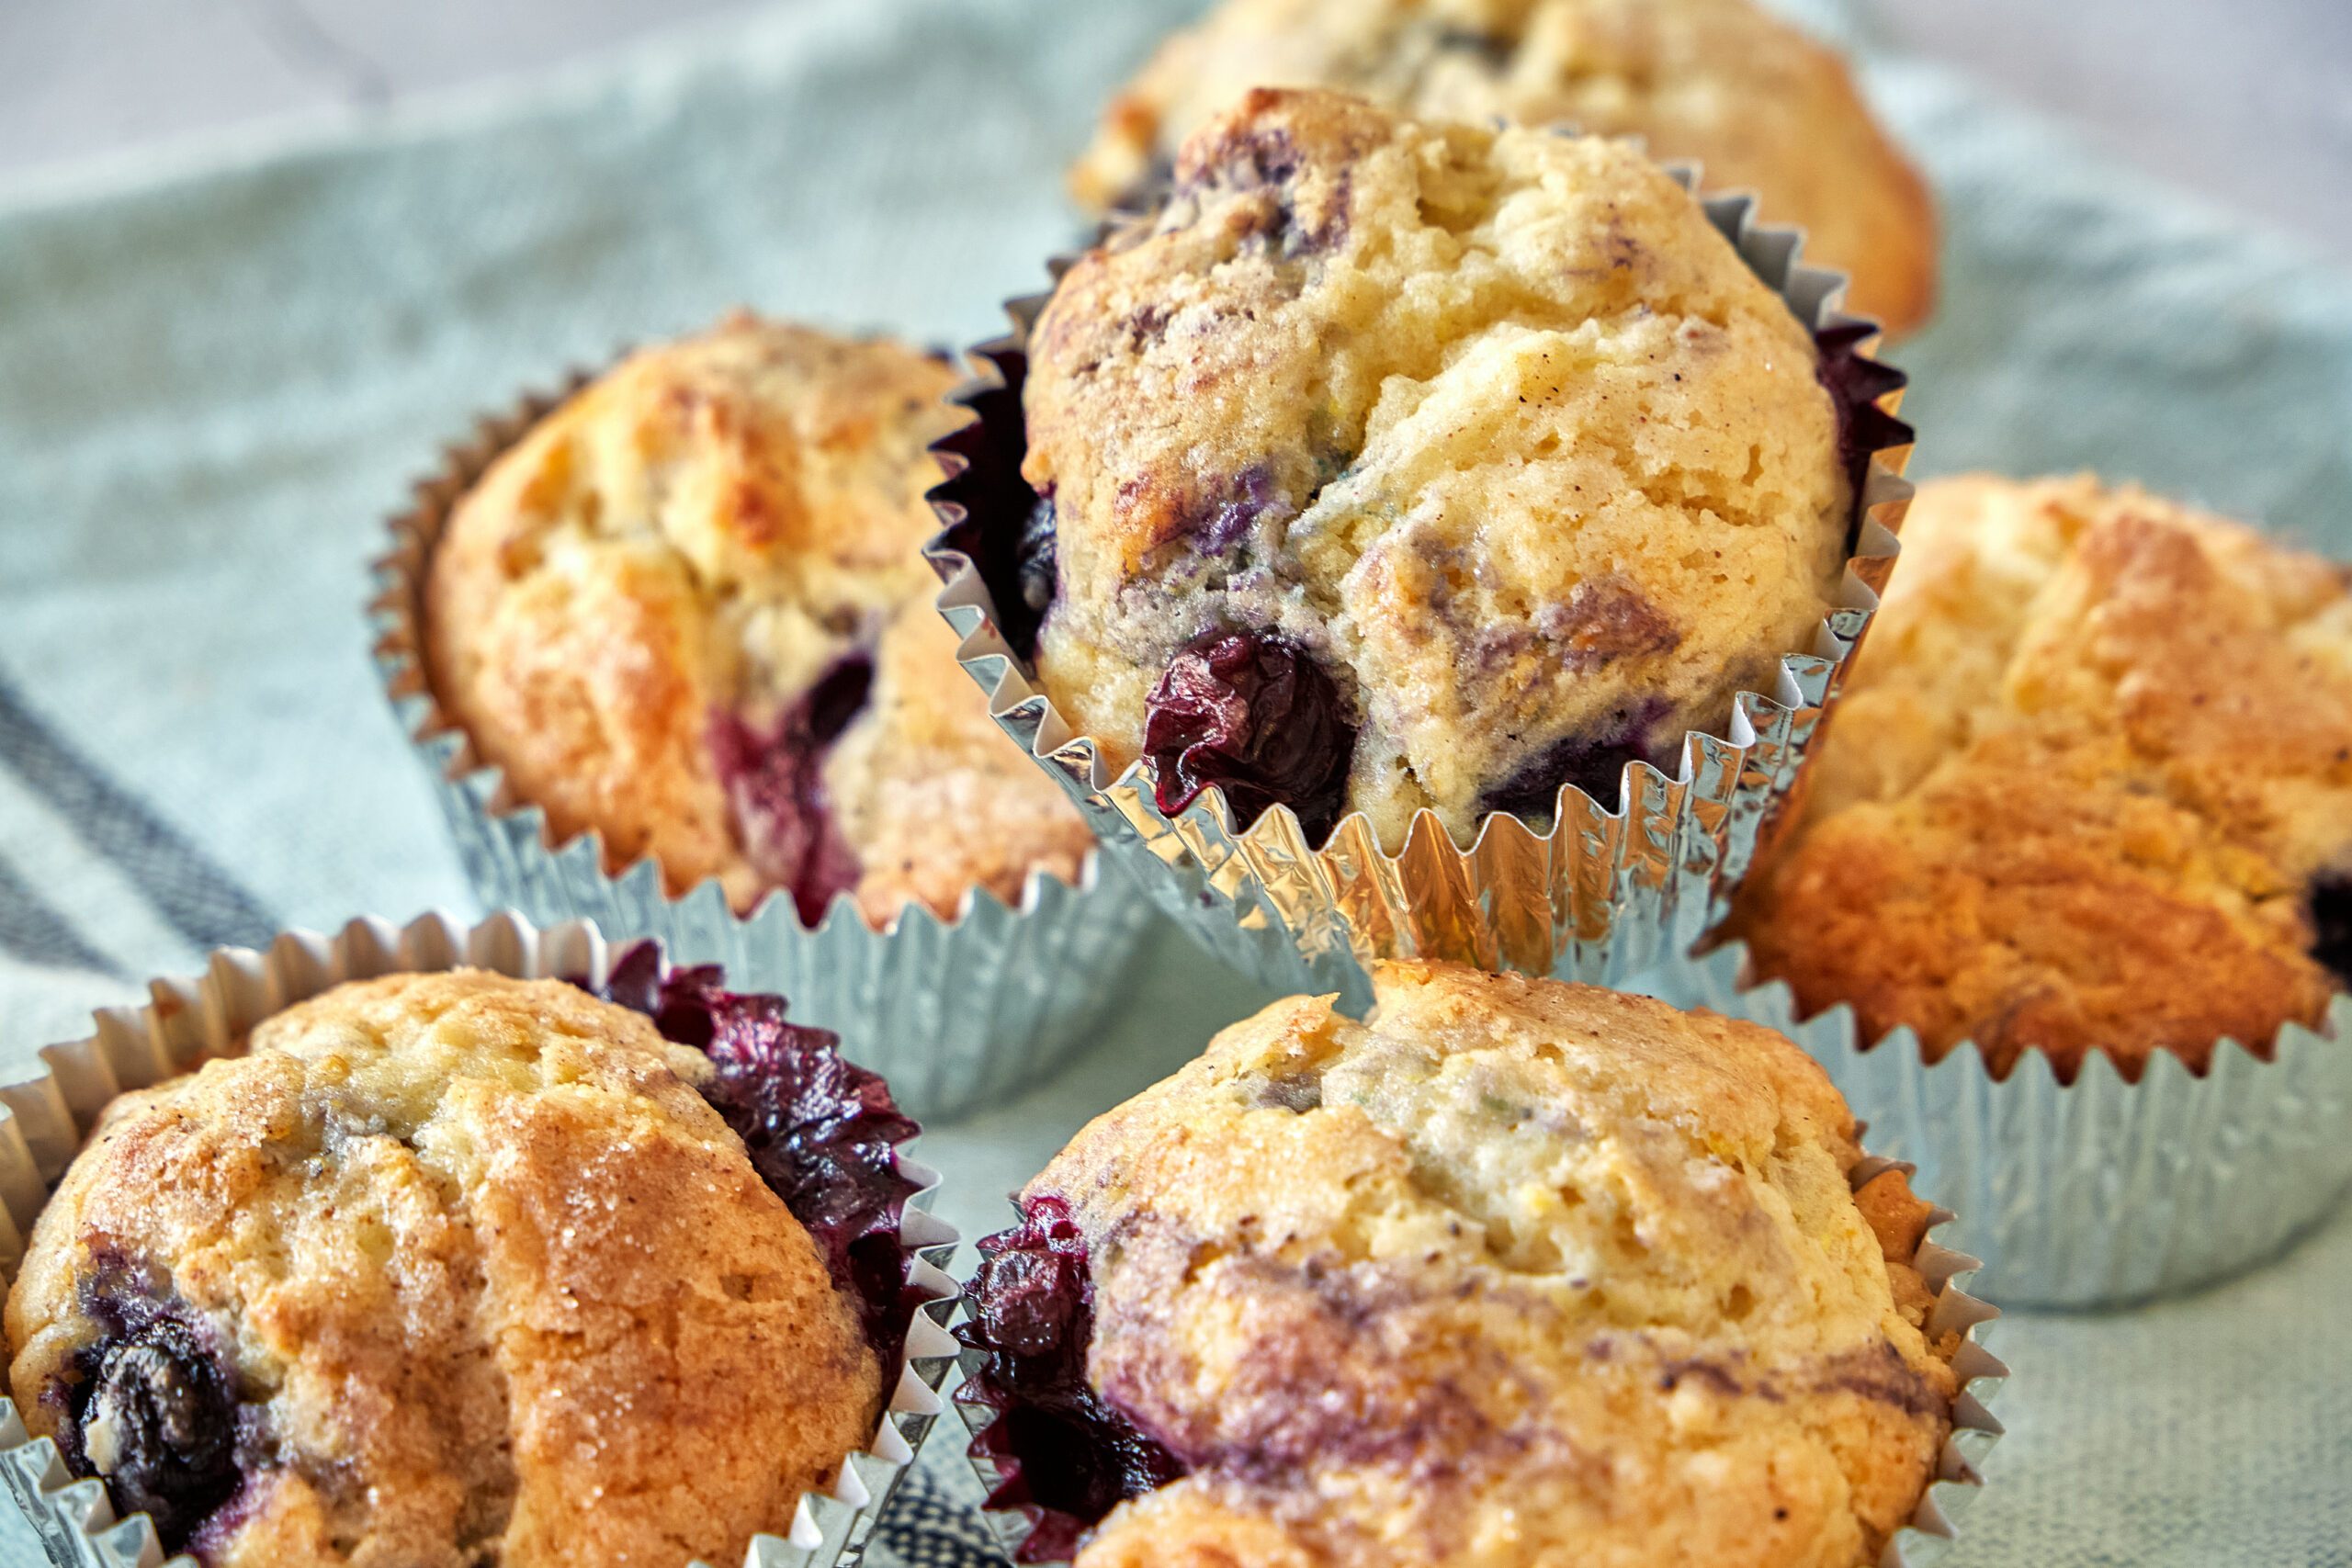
{"points": [[44, 1121], [1935, 1523], [1604, 896], [956, 1012], [2101, 1191]]}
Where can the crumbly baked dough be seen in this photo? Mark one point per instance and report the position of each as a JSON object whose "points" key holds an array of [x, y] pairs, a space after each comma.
{"points": [[1513, 1274], [1724, 83], [2087, 772], [498, 1285], [706, 531], [1494, 425]]}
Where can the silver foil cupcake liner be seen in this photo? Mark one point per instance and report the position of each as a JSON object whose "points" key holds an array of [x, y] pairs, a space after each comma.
{"points": [[44, 1121], [1604, 896], [955, 1011], [1935, 1523], [2100, 1191]]}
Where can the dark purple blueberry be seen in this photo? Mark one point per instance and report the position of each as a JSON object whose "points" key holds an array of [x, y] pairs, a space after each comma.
{"points": [[775, 784], [1491, 49], [821, 1131], [1594, 761], [2329, 902], [1223, 514], [1151, 188], [1252, 160], [839, 697], [1068, 1456], [158, 1401], [1143, 326], [1604, 620], [1265, 162], [1257, 716], [1297, 1096], [1036, 557], [636, 980], [1855, 384]]}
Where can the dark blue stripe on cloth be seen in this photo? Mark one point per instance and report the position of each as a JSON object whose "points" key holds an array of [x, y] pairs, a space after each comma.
{"points": [[194, 896], [926, 1527], [33, 932]]}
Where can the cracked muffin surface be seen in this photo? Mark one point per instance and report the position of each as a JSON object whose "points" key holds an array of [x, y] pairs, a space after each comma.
{"points": [[1481, 454], [449, 1270], [1723, 83], [1511, 1272], [2089, 788], [689, 612]]}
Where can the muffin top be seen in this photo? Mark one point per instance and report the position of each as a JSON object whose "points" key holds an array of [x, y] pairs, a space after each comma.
{"points": [[1395, 466], [689, 612], [448, 1269], [2090, 786], [1512, 1271], [1719, 82]]}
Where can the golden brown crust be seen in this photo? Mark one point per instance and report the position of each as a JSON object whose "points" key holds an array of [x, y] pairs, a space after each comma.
{"points": [[1494, 426], [497, 1282], [705, 530], [933, 796], [1550, 1274], [2096, 750], [1723, 83]]}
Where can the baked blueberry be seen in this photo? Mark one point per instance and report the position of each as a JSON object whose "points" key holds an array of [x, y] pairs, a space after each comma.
{"points": [[776, 785], [1067, 1455], [1034, 560], [1594, 763], [152, 1404], [1256, 717]]}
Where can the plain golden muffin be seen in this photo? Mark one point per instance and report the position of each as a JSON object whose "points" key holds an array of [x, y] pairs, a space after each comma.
{"points": [[1479, 457], [450, 1271], [1511, 1273], [1722, 83], [689, 612], [2090, 786]]}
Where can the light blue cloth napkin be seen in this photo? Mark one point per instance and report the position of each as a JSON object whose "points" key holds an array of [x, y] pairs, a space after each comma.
{"points": [[213, 388]]}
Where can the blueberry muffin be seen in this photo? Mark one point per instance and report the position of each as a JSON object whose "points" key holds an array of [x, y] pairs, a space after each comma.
{"points": [[689, 612], [2090, 787], [458, 1270], [1723, 83], [1511, 1272], [1395, 467]]}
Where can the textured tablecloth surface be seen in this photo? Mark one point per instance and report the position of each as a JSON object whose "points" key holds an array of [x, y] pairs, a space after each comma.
{"points": [[214, 385]]}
